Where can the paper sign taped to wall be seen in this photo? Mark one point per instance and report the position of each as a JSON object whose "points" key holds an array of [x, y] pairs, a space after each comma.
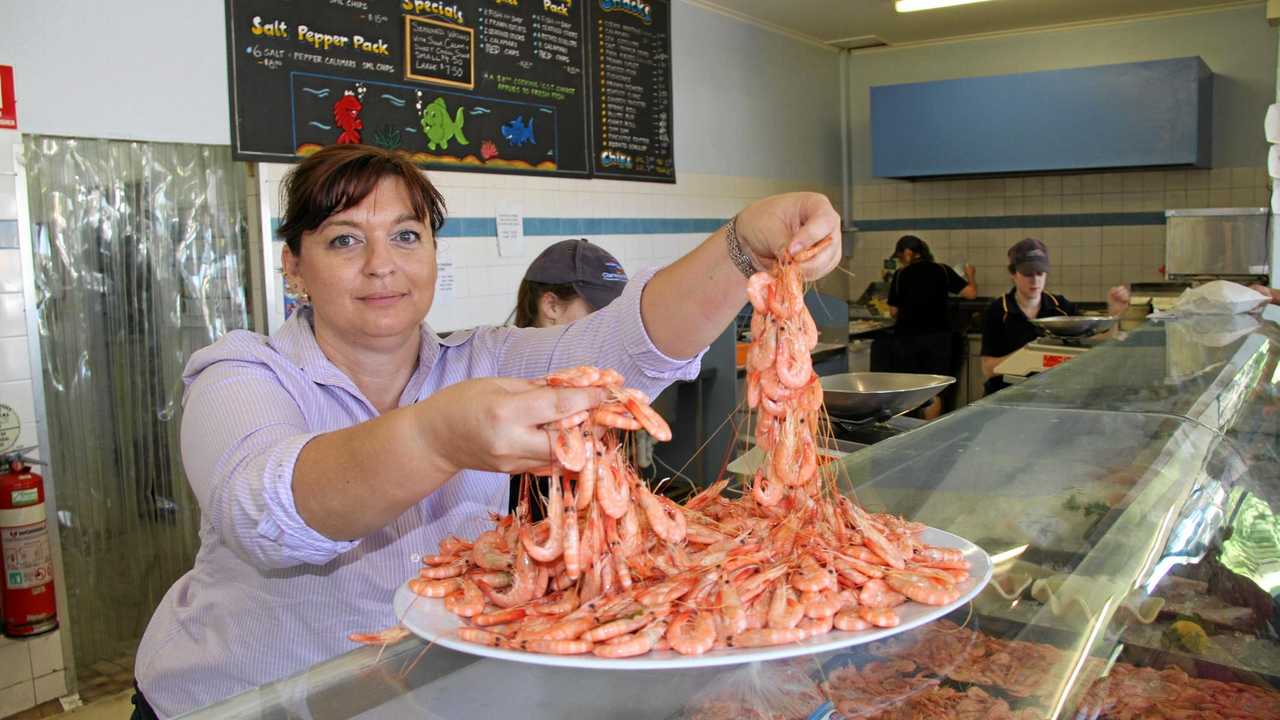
{"points": [[10, 428], [510, 232], [446, 273]]}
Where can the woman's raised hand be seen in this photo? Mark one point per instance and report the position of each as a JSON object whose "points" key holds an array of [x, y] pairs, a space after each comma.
{"points": [[792, 223], [1118, 300], [496, 423]]}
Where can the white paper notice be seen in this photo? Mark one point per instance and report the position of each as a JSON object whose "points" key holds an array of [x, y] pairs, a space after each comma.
{"points": [[510, 233], [446, 274]]}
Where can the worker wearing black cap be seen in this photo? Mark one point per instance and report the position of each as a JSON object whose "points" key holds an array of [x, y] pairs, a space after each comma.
{"points": [[918, 298], [568, 281], [1007, 328]]}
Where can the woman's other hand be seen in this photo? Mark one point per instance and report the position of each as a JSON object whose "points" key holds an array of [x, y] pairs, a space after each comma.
{"points": [[791, 223], [1269, 292], [1118, 300], [497, 424]]}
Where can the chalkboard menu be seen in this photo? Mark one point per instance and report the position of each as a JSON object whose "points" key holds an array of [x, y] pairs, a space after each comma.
{"points": [[572, 88]]}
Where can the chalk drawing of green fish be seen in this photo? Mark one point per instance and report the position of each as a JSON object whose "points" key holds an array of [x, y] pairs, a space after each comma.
{"points": [[440, 128]]}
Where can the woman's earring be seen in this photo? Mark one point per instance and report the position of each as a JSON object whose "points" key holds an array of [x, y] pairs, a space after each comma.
{"points": [[293, 287]]}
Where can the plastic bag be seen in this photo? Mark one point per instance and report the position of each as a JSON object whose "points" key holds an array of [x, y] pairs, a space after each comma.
{"points": [[1219, 297], [776, 690]]}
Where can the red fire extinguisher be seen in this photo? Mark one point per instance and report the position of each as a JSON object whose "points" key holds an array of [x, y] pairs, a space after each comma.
{"points": [[29, 605]]}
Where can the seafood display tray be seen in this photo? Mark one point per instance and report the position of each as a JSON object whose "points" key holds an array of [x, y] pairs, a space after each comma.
{"points": [[429, 620], [1137, 655], [1130, 652]]}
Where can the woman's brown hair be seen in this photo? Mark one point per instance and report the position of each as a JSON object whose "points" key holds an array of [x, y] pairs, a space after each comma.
{"points": [[530, 293], [341, 176]]}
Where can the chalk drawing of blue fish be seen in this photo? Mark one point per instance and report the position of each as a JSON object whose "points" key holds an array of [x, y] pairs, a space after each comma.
{"points": [[518, 133]]}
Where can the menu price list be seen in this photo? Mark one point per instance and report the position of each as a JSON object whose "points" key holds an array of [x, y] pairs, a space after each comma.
{"points": [[503, 34], [630, 44], [558, 87]]}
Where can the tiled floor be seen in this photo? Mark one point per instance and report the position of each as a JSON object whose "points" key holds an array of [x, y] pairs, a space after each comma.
{"points": [[106, 677], [106, 689], [110, 707]]}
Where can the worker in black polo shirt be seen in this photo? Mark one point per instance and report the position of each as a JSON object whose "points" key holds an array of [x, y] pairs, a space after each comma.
{"points": [[1006, 327], [918, 297]]}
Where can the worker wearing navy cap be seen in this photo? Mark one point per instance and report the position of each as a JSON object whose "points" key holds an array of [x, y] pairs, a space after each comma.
{"points": [[568, 281], [1007, 328]]}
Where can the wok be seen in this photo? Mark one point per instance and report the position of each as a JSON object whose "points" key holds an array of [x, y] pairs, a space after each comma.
{"points": [[878, 396], [1073, 326]]}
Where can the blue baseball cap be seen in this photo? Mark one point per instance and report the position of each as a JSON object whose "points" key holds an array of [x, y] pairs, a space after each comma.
{"points": [[593, 272]]}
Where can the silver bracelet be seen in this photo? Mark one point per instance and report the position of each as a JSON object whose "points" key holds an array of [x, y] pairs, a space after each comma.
{"points": [[739, 256]]}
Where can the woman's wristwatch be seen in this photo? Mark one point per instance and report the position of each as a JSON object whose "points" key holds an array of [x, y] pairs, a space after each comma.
{"points": [[741, 259]]}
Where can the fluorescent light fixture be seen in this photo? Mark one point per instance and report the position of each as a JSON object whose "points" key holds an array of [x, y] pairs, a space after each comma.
{"points": [[914, 5]]}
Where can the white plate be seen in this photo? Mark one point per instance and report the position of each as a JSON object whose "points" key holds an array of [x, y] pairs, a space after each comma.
{"points": [[428, 619]]}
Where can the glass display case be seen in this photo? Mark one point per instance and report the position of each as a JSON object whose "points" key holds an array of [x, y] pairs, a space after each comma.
{"points": [[1127, 499]]}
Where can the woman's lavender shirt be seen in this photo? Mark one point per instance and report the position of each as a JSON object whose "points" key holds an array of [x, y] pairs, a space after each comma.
{"points": [[268, 596]]}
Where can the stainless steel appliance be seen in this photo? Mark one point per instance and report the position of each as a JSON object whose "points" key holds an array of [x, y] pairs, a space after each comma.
{"points": [[1073, 326], [878, 396], [1218, 244]]}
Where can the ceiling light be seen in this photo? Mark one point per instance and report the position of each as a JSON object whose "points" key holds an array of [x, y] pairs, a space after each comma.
{"points": [[903, 6]]}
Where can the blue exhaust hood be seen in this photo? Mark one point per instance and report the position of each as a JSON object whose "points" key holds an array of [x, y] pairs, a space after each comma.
{"points": [[1147, 114]]}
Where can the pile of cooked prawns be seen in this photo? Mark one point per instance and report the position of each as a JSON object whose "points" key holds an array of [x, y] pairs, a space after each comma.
{"points": [[617, 570]]}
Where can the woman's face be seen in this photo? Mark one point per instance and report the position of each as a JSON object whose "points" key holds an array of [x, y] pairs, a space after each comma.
{"points": [[1030, 286], [370, 270]]}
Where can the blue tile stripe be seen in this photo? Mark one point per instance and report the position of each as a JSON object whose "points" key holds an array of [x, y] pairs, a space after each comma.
{"points": [[1013, 221], [552, 226]]}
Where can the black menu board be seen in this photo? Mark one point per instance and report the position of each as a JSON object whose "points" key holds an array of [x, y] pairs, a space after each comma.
{"points": [[631, 83], [551, 87]]}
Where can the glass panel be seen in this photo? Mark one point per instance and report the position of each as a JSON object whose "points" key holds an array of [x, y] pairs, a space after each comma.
{"points": [[1206, 368], [140, 260], [1129, 499], [1100, 523]]}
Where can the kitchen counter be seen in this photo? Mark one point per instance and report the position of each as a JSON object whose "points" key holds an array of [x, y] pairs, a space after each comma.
{"points": [[866, 327], [1129, 497]]}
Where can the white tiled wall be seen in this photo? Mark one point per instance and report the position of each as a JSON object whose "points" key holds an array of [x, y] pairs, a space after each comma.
{"points": [[486, 282], [1086, 261], [31, 671]]}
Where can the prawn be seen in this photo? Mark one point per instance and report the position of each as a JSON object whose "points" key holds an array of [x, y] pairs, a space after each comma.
{"points": [[554, 544], [765, 637], [393, 634], [692, 633], [665, 517], [468, 601], [638, 643]]}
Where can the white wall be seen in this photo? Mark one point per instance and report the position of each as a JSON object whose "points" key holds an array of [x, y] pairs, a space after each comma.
{"points": [[1237, 45], [1115, 235], [748, 102], [137, 69], [31, 670], [755, 113]]}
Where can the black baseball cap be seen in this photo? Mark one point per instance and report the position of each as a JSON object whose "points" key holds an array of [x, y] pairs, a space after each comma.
{"points": [[1029, 256], [593, 272]]}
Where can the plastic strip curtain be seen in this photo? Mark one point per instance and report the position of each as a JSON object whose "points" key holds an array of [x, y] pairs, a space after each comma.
{"points": [[141, 259]]}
